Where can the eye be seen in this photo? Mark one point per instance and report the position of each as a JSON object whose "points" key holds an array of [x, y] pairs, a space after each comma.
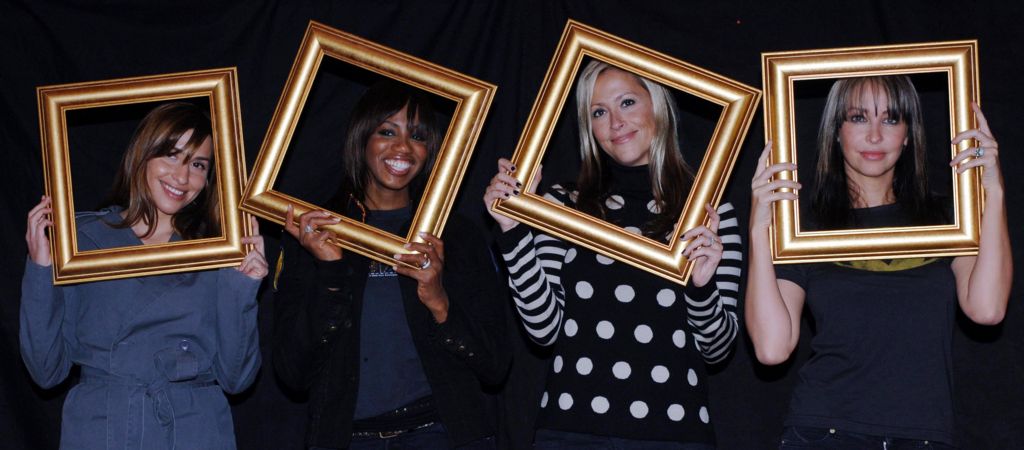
{"points": [[628, 102], [201, 165], [418, 136], [386, 132], [597, 113], [857, 118], [891, 121]]}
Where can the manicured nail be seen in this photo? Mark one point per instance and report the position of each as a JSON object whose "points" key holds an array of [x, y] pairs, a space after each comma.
{"points": [[516, 192], [518, 184], [505, 194], [513, 168]]}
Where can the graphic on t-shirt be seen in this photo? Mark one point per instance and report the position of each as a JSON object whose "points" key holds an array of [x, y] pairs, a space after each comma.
{"points": [[381, 270], [887, 265]]}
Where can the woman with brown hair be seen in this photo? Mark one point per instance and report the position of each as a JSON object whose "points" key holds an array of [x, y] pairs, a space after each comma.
{"points": [[155, 352]]}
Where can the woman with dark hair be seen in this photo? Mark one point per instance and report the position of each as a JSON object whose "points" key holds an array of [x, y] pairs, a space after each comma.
{"points": [[629, 347], [390, 355], [155, 352], [880, 375]]}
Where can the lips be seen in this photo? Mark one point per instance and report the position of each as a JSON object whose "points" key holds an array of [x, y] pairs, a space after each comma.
{"points": [[398, 166], [624, 138], [174, 193], [873, 156]]}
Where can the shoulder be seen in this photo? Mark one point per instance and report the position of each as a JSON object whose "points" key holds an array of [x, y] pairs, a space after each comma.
{"points": [[96, 227]]}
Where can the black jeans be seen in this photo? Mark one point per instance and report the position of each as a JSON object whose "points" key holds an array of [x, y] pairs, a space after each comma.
{"points": [[833, 439]]}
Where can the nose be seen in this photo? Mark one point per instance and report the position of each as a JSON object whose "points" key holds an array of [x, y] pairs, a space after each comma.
{"points": [[615, 121], [181, 173], [875, 133]]}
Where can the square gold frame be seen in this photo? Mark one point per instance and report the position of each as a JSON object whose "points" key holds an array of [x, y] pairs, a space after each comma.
{"points": [[72, 266], [780, 70], [739, 104], [472, 97]]}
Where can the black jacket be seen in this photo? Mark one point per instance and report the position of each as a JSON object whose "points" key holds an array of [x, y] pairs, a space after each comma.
{"points": [[317, 312]]}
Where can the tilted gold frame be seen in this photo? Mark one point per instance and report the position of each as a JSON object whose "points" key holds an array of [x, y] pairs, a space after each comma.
{"points": [[959, 61], [739, 104], [472, 98], [73, 266]]}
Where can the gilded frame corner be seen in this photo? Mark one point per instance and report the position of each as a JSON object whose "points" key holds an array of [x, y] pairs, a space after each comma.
{"points": [[739, 103], [73, 266], [958, 59], [472, 97]]}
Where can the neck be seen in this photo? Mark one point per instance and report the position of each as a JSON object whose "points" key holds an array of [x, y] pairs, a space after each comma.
{"points": [[383, 200], [868, 192], [162, 231]]}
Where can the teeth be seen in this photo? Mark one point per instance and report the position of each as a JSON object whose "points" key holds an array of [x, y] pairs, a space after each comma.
{"points": [[398, 165], [173, 190]]}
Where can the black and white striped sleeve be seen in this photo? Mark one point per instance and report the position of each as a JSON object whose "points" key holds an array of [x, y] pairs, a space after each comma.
{"points": [[712, 313], [534, 262]]}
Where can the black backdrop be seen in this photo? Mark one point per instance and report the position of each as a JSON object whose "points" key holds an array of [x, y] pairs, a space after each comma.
{"points": [[509, 44]]}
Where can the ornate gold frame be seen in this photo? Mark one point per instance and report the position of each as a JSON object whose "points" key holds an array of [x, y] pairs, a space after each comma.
{"points": [[472, 98], [72, 266], [781, 69], [739, 104]]}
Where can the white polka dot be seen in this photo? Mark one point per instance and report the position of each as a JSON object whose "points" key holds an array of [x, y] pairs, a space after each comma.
{"points": [[624, 293], [565, 401], [604, 259], [704, 415], [599, 404], [605, 329], [633, 230], [544, 400], [659, 374], [676, 412], [621, 370], [584, 289], [679, 338], [643, 334], [570, 255], [584, 366], [666, 297], [653, 207], [557, 365], [571, 327], [638, 409], [691, 377], [614, 202]]}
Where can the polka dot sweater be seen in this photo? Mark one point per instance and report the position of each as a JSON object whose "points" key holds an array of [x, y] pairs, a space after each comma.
{"points": [[629, 347]]}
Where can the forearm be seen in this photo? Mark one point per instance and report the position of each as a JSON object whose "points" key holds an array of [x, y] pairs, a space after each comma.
{"points": [[238, 355], [42, 321], [539, 301], [768, 319], [988, 288]]}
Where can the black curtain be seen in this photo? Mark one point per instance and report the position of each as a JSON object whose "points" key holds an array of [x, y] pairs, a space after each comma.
{"points": [[510, 44]]}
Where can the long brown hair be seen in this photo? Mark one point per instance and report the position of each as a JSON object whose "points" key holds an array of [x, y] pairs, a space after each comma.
{"points": [[671, 177], [156, 136], [833, 196]]}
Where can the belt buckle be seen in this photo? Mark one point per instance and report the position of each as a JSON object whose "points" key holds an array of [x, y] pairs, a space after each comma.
{"points": [[390, 434]]}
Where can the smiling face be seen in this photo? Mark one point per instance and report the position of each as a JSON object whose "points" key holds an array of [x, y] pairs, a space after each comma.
{"points": [[622, 117], [395, 153], [871, 138], [175, 179]]}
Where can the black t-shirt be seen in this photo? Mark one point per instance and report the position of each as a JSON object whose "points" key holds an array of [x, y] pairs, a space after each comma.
{"points": [[881, 361]]}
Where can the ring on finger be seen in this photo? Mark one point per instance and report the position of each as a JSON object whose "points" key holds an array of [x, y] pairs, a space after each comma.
{"points": [[425, 264], [308, 228], [979, 152]]}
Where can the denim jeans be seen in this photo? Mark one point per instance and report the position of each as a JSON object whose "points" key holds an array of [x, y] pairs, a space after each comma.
{"points": [[434, 437], [832, 439], [559, 440]]}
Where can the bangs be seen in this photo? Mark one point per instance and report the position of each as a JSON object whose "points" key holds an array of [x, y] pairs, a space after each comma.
{"points": [[894, 88]]}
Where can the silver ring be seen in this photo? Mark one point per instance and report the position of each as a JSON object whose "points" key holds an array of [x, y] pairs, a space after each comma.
{"points": [[308, 229], [979, 152], [425, 264]]}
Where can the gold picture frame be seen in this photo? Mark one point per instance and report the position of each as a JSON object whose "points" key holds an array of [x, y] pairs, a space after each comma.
{"points": [[780, 70], [73, 266], [472, 100], [739, 103]]}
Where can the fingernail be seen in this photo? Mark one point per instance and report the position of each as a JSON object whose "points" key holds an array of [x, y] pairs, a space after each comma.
{"points": [[516, 192], [397, 256], [407, 246], [505, 194], [513, 168], [518, 184], [422, 234]]}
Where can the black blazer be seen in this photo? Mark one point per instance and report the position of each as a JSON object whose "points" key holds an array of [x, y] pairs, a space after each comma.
{"points": [[317, 310]]}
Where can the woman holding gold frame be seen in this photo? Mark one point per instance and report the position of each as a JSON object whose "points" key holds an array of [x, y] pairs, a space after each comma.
{"points": [[390, 352], [881, 372], [629, 347], [155, 352]]}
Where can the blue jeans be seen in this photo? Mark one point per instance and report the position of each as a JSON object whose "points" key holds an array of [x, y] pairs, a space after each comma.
{"points": [[832, 439], [559, 440], [427, 438]]}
